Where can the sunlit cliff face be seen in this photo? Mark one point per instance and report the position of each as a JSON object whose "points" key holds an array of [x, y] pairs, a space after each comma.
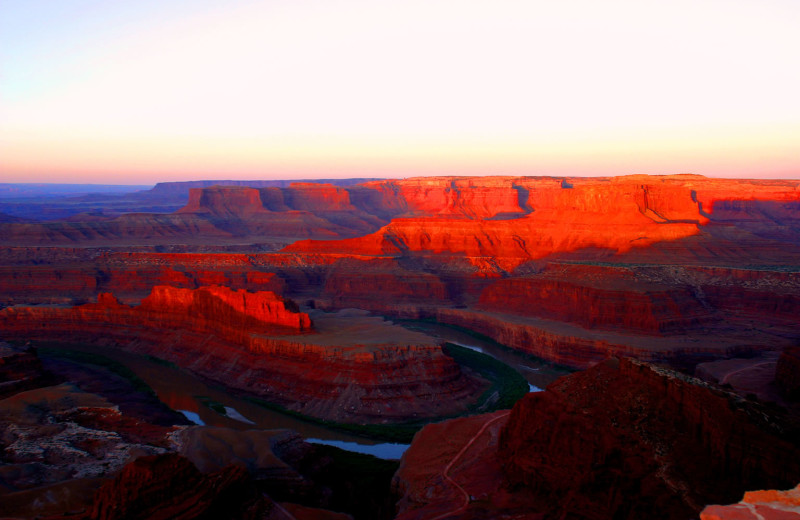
{"points": [[153, 92]]}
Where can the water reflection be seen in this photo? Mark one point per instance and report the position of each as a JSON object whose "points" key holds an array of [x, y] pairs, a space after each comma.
{"points": [[537, 372], [206, 404], [193, 417], [210, 405], [385, 450]]}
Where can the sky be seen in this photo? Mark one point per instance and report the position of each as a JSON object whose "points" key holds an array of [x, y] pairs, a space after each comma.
{"points": [[134, 92]]}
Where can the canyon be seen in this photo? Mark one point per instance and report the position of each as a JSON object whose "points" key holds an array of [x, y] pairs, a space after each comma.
{"points": [[301, 294]]}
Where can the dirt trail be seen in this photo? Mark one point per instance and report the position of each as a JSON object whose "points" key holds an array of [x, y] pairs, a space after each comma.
{"points": [[447, 468]]}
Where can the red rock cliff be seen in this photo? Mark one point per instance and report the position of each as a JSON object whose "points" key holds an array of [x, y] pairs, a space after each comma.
{"points": [[218, 307]]}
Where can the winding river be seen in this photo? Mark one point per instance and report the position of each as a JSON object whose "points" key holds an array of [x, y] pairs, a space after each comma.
{"points": [[201, 402]]}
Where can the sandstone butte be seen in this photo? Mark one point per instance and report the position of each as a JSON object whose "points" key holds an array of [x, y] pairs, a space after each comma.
{"points": [[345, 367], [623, 439]]}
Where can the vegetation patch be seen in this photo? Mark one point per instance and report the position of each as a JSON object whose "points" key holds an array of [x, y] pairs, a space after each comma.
{"points": [[506, 383], [212, 404], [162, 362], [78, 356]]}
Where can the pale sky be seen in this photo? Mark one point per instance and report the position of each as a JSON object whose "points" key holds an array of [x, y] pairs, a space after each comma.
{"points": [[146, 91]]}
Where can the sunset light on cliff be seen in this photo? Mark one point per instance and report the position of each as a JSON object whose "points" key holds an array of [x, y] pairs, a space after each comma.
{"points": [[151, 91]]}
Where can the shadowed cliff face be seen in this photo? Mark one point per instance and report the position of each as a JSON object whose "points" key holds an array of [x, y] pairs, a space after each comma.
{"points": [[623, 439], [626, 439]]}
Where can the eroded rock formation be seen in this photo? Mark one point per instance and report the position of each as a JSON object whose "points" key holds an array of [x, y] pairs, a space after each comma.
{"points": [[169, 486]]}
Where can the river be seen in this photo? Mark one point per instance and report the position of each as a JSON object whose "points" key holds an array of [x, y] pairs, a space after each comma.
{"points": [[197, 400], [537, 372]]}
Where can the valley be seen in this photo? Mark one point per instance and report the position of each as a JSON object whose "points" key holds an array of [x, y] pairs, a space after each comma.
{"points": [[270, 312]]}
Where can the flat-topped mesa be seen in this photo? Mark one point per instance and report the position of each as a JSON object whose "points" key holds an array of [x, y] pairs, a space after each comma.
{"points": [[244, 201], [551, 220], [308, 196], [216, 306], [481, 198], [224, 201]]}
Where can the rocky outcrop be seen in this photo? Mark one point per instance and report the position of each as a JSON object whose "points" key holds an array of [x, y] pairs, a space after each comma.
{"points": [[451, 470], [170, 487], [58, 441], [20, 369], [300, 210], [787, 373], [703, 446], [221, 310], [759, 505]]}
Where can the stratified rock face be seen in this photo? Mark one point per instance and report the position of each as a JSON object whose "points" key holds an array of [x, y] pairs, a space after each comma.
{"points": [[759, 505], [628, 440], [130, 276], [349, 367], [300, 210], [520, 219], [224, 201], [170, 487], [644, 309], [218, 309], [787, 374]]}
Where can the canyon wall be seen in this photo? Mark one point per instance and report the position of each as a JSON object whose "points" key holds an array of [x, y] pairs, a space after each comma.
{"points": [[352, 368]]}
